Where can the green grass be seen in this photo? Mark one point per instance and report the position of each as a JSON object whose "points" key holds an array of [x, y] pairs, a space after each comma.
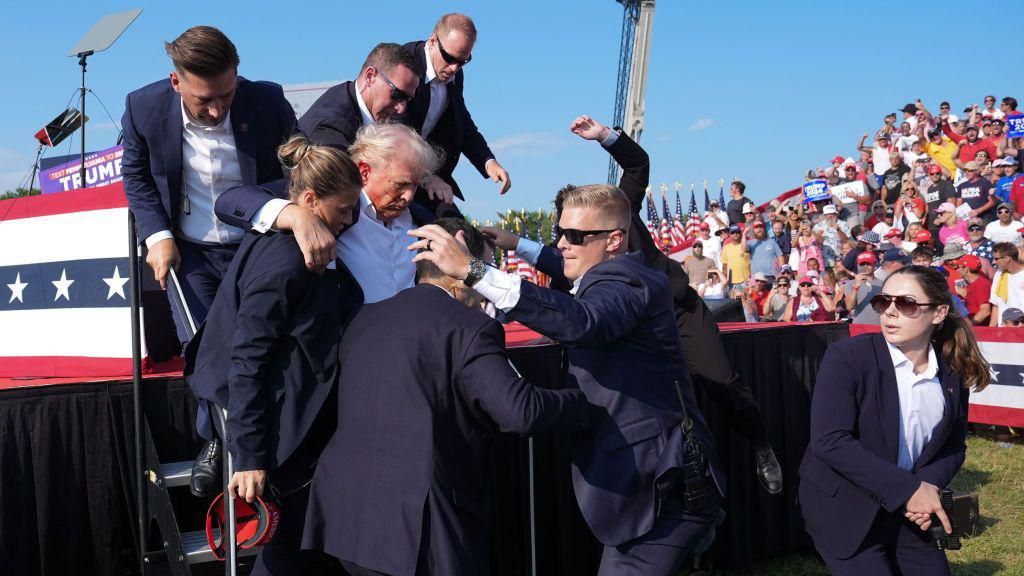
{"points": [[997, 476]]}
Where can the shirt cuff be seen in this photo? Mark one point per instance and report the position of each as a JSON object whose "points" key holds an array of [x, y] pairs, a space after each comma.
{"points": [[501, 288], [263, 220], [529, 250], [156, 237], [613, 135]]}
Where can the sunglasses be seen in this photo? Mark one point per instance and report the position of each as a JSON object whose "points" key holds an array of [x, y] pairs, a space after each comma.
{"points": [[905, 305], [449, 58], [806, 284], [1003, 211], [396, 94], [576, 237], [974, 228]]}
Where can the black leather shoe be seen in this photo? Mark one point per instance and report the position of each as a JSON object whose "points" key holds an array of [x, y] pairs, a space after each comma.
{"points": [[206, 471], [769, 473]]}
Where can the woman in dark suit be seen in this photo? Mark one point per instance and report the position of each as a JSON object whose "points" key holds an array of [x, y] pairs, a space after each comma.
{"points": [[268, 352], [888, 431]]}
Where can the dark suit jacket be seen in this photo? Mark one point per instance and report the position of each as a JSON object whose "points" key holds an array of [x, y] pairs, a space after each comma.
{"points": [[455, 131], [849, 470], [624, 353], [425, 384], [334, 118], [261, 120], [268, 351]]}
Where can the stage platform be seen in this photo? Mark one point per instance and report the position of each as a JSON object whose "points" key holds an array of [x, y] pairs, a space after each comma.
{"points": [[66, 492]]}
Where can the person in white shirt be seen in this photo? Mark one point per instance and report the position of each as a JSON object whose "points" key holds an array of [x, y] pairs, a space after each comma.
{"points": [[187, 140], [1004, 228], [715, 217], [712, 244]]}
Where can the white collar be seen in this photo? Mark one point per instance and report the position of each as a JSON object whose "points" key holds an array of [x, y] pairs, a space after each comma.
{"points": [[898, 358], [187, 120], [367, 118]]}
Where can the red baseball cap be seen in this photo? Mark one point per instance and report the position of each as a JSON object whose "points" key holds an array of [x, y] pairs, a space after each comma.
{"points": [[838, 160], [934, 169], [893, 233], [806, 280], [867, 258], [758, 224], [923, 236], [970, 261], [704, 226]]}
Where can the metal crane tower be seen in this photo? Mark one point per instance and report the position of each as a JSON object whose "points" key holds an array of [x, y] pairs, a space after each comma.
{"points": [[631, 85]]}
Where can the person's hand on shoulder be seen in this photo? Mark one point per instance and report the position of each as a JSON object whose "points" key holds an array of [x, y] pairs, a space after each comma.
{"points": [[317, 243]]}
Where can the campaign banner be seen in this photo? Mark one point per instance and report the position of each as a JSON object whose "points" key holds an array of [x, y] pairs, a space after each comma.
{"points": [[816, 190], [1015, 124], [65, 307], [1002, 402], [101, 168], [845, 192]]}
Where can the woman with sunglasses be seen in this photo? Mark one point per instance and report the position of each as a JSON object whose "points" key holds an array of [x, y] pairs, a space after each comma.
{"points": [[951, 227], [910, 207], [811, 304], [888, 431]]}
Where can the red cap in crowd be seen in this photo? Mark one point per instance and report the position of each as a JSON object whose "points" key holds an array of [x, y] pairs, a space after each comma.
{"points": [[704, 226], [893, 233], [806, 280], [934, 169], [838, 160], [923, 236], [758, 224], [970, 261], [867, 258]]}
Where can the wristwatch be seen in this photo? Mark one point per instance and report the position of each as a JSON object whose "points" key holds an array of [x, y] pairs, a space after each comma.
{"points": [[477, 269]]}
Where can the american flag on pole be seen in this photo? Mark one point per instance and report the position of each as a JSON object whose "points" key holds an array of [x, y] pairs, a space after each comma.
{"points": [[652, 219], [666, 227], [680, 227], [693, 217], [525, 269], [64, 292], [721, 194]]}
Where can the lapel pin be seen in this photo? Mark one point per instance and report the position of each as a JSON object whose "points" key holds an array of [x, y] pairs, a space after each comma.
{"points": [[244, 127]]}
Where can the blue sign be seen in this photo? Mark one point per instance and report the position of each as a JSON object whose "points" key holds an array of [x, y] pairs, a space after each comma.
{"points": [[1016, 125], [816, 190]]}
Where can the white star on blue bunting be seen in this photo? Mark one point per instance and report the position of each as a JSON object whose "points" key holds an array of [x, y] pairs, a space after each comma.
{"points": [[116, 284], [17, 289], [63, 285]]}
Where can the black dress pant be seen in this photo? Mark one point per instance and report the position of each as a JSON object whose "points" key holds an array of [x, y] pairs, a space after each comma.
{"points": [[893, 546], [709, 365]]}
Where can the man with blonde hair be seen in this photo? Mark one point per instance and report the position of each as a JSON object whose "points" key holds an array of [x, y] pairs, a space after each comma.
{"points": [[646, 476]]}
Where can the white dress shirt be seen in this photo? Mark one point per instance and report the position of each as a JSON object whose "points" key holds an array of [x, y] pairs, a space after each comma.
{"points": [[921, 404], [363, 110], [210, 167], [376, 253], [438, 95]]}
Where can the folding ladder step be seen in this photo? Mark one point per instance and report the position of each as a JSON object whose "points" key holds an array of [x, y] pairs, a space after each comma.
{"points": [[197, 549], [176, 474]]}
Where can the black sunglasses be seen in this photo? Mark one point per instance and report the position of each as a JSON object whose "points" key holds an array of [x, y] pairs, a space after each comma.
{"points": [[906, 305], [576, 237], [974, 228], [1002, 211], [396, 94], [806, 284], [449, 58]]}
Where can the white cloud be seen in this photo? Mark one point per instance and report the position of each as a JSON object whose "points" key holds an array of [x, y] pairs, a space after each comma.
{"points": [[701, 124], [527, 144]]}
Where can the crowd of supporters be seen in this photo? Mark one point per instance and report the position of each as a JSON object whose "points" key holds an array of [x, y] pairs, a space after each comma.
{"points": [[932, 188]]}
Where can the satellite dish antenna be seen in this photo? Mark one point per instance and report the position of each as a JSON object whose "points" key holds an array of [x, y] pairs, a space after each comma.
{"points": [[102, 35]]}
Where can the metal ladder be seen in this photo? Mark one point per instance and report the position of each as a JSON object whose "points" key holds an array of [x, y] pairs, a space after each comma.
{"points": [[152, 486]]}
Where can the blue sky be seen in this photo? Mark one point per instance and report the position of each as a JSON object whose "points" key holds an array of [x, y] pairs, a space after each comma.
{"points": [[758, 91]]}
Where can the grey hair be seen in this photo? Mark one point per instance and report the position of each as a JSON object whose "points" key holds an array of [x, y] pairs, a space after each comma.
{"points": [[375, 145]]}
